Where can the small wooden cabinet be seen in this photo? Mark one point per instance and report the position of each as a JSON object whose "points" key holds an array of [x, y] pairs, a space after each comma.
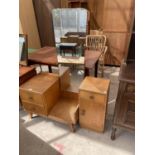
{"points": [[93, 98], [40, 93], [124, 115], [46, 94]]}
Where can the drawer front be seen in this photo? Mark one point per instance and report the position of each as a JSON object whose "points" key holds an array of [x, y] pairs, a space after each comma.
{"points": [[33, 108], [92, 97], [31, 97]]}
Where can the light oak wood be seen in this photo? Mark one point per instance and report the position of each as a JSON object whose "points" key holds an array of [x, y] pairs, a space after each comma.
{"points": [[28, 23], [64, 74], [46, 95], [93, 98], [36, 93], [115, 18]]}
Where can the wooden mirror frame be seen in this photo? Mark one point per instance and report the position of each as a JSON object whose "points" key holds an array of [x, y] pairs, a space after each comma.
{"points": [[24, 53]]}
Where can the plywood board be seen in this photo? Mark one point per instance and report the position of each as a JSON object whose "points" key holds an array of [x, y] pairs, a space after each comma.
{"points": [[28, 22]]}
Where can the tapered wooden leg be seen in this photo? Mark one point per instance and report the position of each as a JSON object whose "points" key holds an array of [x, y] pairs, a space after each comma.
{"points": [[113, 136], [30, 115], [72, 127]]}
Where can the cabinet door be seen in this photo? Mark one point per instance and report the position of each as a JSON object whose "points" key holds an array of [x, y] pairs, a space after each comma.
{"points": [[126, 115], [92, 115]]}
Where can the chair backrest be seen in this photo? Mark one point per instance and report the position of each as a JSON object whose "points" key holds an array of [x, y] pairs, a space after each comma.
{"points": [[95, 42], [105, 48]]}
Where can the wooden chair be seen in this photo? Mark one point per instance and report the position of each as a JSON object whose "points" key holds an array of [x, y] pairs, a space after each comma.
{"points": [[95, 42], [102, 61]]}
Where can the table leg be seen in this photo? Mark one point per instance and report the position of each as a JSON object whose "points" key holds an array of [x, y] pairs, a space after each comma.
{"points": [[49, 69], [86, 72], [96, 68]]}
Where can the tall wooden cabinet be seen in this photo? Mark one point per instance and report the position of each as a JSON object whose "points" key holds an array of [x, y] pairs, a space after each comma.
{"points": [[93, 98], [124, 115]]}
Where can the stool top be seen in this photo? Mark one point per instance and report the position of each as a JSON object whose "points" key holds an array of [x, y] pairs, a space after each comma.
{"points": [[96, 85]]}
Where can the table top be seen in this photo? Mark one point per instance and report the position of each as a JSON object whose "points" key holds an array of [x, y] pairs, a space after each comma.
{"points": [[24, 70], [46, 55], [91, 57], [96, 85]]}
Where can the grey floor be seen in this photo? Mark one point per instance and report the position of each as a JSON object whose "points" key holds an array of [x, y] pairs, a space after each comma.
{"points": [[42, 136]]}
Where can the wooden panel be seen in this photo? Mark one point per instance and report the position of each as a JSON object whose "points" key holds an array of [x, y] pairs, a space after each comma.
{"points": [[31, 97], [65, 110], [88, 117], [115, 18], [28, 23], [51, 96], [20, 28], [33, 108], [43, 12], [92, 97]]}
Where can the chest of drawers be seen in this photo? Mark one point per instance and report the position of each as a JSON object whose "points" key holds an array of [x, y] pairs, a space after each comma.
{"points": [[40, 93]]}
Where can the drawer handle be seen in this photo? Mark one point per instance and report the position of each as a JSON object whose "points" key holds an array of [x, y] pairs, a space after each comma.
{"points": [[91, 97]]}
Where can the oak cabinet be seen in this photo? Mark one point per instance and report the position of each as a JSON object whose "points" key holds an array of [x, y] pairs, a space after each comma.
{"points": [[40, 93], [93, 98]]}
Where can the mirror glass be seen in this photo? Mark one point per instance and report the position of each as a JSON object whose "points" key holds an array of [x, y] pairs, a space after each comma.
{"points": [[23, 49], [69, 20]]}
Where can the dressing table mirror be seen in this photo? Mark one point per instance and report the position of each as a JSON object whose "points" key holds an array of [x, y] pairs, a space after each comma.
{"points": [[23, 50]]}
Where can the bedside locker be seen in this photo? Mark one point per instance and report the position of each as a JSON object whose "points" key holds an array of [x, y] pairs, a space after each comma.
{"points": [[40, 93], [93, 98]]}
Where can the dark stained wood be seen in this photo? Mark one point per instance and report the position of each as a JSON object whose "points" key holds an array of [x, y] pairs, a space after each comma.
{"points": [[25, 73], [45, 56], [91, 61], [43, 12], [124, 115]]}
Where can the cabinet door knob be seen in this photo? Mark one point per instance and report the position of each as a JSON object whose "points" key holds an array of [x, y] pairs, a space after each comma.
{"points": [[30, 98], [91, 97]]}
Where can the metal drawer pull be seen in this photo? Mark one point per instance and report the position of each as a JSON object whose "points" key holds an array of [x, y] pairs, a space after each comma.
{"points": [[91, 97]]}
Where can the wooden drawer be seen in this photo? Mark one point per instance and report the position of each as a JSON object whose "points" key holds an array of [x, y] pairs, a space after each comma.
{"points": [[92, 97], [33, 108], [31, 97]]}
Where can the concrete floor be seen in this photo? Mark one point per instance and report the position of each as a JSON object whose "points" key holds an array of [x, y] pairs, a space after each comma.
{"points": [[53, 138]]}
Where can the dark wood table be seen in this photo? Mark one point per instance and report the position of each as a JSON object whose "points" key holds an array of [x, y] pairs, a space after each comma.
{"points": [[65, 47], [25, 73], [48, 56], [91, 61], [44, 56]]}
